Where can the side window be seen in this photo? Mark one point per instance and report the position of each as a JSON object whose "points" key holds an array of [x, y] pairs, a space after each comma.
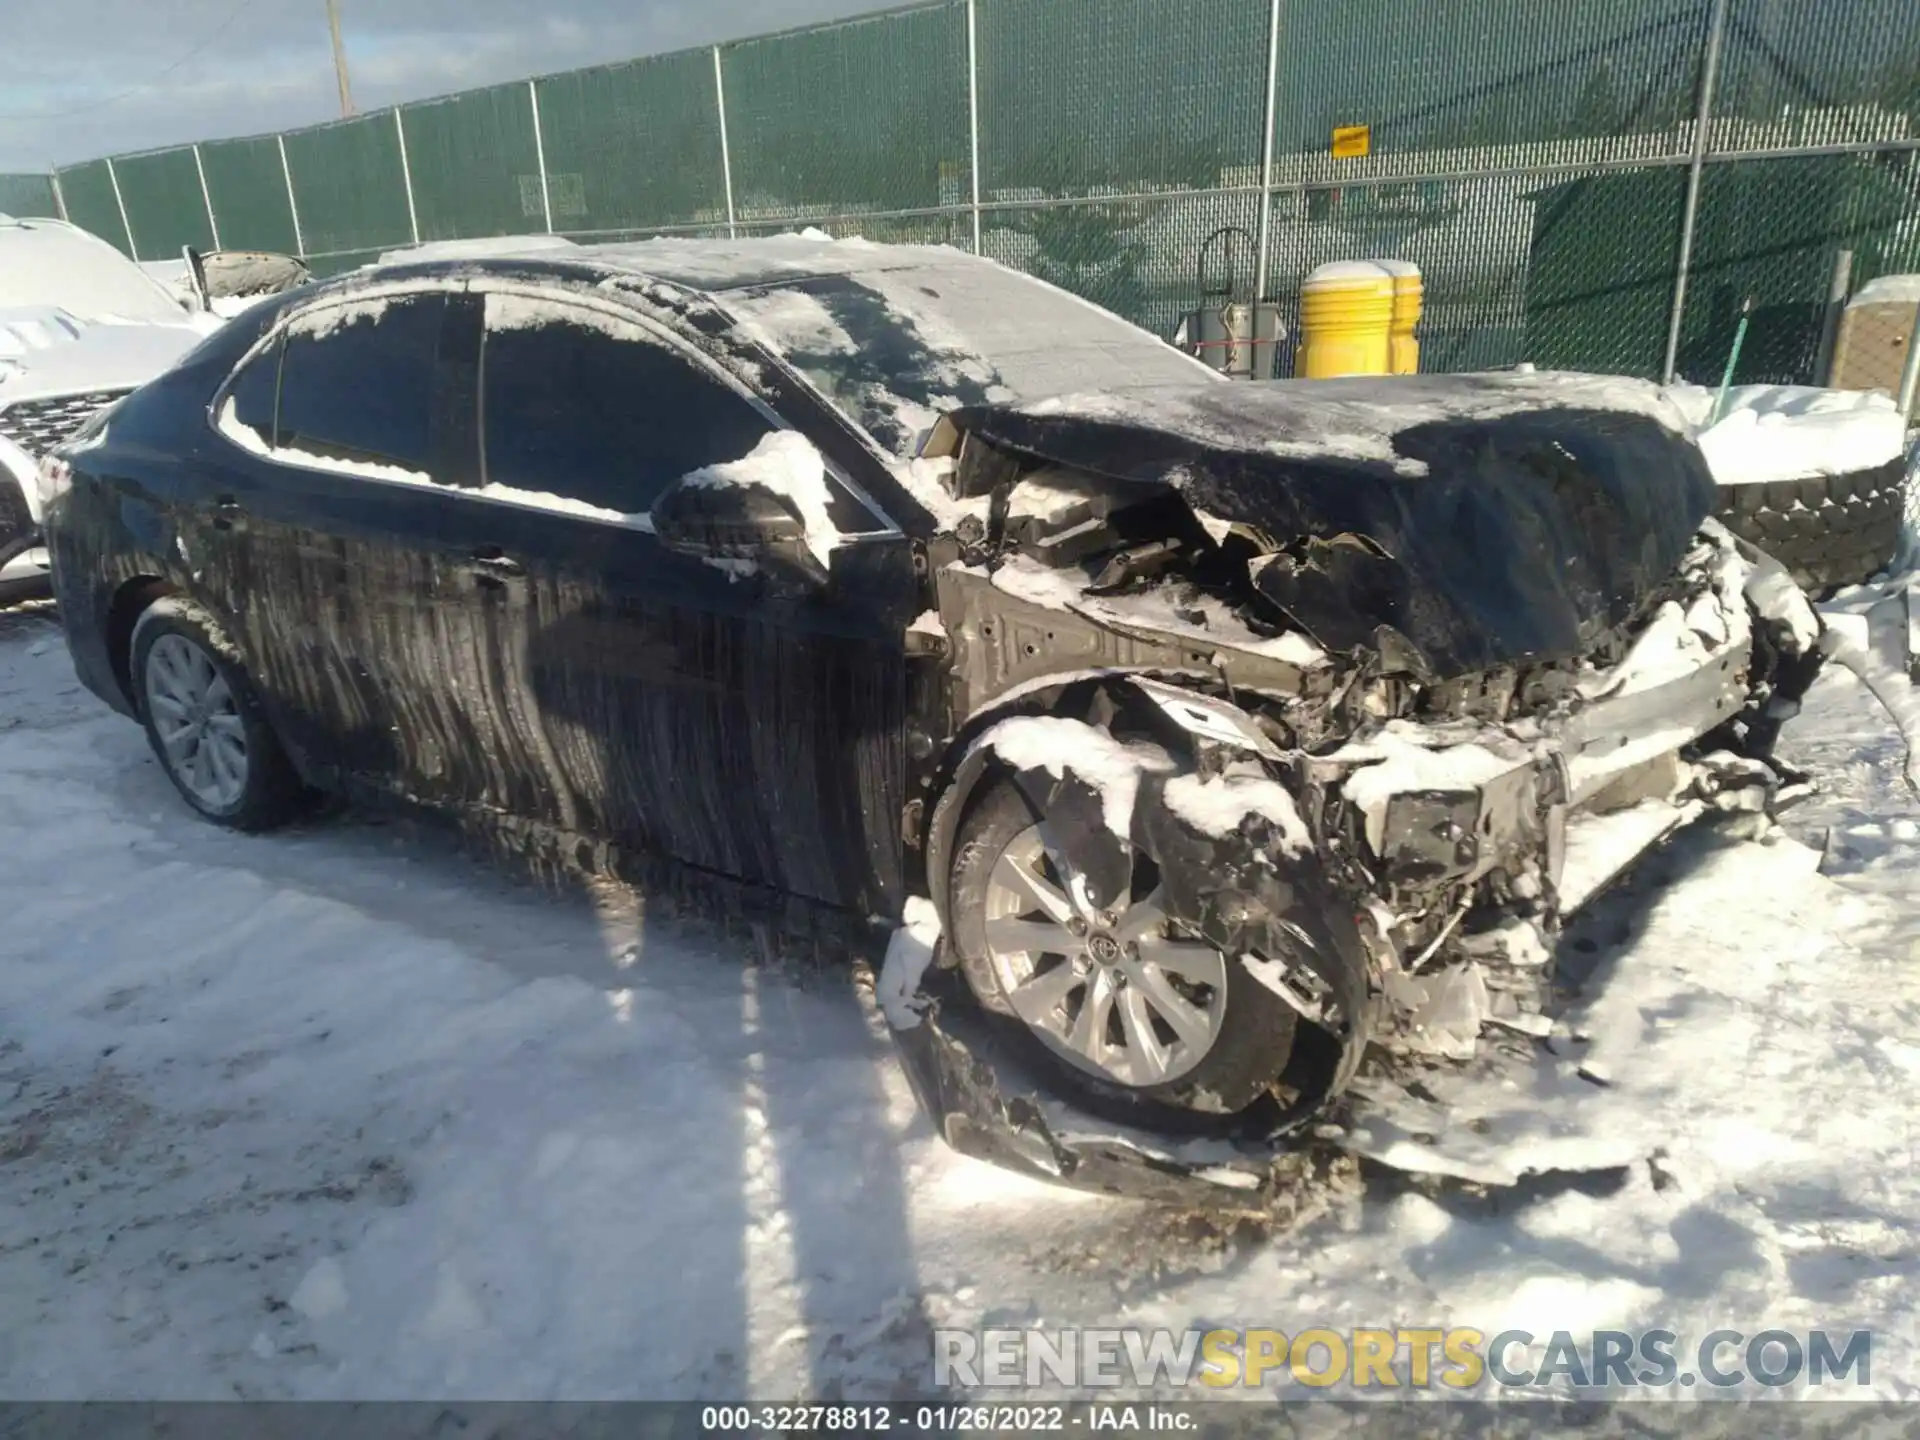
{"points": [[595, 409], [255, 390], [357, 383]]}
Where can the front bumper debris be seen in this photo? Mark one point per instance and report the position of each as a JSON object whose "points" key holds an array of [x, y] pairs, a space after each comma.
{"points": [[1475, 841]]}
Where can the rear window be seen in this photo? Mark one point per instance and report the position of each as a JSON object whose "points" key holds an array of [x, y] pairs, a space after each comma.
{"points": [[356, 382]]}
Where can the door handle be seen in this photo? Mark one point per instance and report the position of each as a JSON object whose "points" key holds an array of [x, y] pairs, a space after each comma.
{"points": [[495, 565], [226, 512]]}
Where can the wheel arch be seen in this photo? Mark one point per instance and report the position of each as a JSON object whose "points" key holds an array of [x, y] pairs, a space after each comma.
{"points": [[968, 764], [132, 599]]}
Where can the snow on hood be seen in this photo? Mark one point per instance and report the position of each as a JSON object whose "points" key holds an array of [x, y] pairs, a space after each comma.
{"points": [[1354, 419], [50, 263], [52, 352]]}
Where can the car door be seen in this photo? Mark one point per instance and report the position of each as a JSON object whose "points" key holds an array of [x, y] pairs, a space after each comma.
{"points": [[369, 622], [721, 718]]}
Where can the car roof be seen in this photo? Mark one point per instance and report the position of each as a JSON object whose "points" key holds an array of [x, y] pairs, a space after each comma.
{"points": [[697, 264]]}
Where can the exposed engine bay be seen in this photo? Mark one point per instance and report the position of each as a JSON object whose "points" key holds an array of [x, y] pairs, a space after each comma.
{"points": [[1374, 767]]}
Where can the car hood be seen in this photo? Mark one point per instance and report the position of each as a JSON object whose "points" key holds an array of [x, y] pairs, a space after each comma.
{"points": [[1452, 523], [53, 352]]}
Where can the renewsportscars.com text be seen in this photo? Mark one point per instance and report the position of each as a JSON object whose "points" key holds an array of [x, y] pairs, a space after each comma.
{"points": [[1455, 1358]]}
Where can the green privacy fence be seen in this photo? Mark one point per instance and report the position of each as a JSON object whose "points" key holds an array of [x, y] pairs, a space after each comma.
{"points": [[1596, 185], [27, 195]]}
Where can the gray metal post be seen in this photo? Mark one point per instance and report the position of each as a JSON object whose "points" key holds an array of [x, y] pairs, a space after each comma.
{"points": [[726, 155], [206, 198], [59, 193], [540, 155], [293, 206], [1264, 250], [1910, 375], [1837, 287], [133, 251], [1689, 216], [973, 114], [406, 175]]}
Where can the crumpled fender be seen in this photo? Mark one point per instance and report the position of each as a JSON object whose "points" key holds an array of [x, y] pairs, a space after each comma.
{"points": [[987, 1105], [1246, 892]]}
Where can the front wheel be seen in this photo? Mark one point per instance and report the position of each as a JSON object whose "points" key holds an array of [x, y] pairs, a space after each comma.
{"points": [[1124, 1003], [205, 723]]}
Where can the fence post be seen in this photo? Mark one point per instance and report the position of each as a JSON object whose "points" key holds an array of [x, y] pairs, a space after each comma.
{"points": [[1837, 287], [1264, 249], [1689, 216], [206, 198], [1909, 377], [59, 193], [406, 175], [973, 113], [540, 154], [726, 155], [113, 178], [293, 208]]}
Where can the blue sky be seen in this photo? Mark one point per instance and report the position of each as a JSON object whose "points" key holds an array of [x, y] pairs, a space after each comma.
{"points": [[98, 77]]}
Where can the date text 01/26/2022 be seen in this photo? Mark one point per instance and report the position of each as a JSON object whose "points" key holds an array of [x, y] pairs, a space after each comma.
{"points": [[938, 1419]]}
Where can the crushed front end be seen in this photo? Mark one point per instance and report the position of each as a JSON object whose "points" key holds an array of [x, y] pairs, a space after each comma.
{"points": [[1383, 814]]}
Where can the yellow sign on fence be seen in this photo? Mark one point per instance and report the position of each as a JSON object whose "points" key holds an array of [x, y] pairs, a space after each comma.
{"points": [[1352, 141]]}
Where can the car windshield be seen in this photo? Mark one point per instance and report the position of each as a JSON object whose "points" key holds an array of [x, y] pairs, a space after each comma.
{"points": [[55, 267], [897, 347]]}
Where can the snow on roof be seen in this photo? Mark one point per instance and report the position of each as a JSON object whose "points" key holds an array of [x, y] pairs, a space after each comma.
{"points": [[486, 247]]}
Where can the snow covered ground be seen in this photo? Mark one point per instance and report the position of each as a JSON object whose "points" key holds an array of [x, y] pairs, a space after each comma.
{"points": [[339, 1113]]}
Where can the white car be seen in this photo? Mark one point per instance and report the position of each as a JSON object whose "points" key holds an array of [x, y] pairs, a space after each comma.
{"points": [[80, 326]]}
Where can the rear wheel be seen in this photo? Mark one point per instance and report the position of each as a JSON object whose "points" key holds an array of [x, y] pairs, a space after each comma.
{"points": [[1125, 1003], [204, 721]]}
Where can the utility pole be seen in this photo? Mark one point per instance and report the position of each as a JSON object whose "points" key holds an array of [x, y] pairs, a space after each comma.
{"points": [[339, 59]]}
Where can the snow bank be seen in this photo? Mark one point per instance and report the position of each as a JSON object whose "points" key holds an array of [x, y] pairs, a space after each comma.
{"points": [[1789, 432]]}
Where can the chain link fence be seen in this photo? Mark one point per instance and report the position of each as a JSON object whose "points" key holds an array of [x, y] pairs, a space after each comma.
{"points": [[1603, 186]]}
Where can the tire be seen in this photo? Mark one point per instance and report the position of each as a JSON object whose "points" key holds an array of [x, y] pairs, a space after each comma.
{"points": [[183, 672], [1251, 1030], [1827, 530]]}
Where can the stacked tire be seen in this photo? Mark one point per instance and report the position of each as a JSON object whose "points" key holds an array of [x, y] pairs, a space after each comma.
{"points": [[1829, 530]]}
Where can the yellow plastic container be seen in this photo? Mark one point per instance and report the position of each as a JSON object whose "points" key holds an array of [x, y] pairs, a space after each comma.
{"points": [[1403, 350], [1346, 320]]}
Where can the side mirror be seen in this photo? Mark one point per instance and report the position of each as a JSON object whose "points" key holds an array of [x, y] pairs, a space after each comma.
{"points": [[740, 522]]}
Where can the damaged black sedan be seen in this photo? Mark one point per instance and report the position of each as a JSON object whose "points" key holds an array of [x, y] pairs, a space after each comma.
{"points": [[1233, 732]]}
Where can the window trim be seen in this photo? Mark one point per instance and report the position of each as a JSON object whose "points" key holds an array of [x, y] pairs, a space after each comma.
{"points": [[480, 286], [483, 285], [276, 334]]}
